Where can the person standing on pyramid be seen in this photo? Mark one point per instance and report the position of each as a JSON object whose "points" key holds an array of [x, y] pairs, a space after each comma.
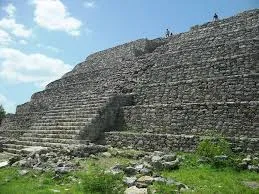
{"points": [[167, 34], [215, 17]]}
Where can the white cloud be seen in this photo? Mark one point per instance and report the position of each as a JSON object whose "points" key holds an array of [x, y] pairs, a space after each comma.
{"points": [[53, 15], [24, 42], [8, 105], [9, 23], [5, 38], [54, 49], [48, 47], [18, 30], [10, 10], [34, 68], [89, 4]]}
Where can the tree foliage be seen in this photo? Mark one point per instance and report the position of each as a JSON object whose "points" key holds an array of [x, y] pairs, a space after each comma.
{"points": [[2, 113]]}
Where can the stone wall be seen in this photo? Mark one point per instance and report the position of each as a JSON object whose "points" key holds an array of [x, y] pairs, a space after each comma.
{"points": [[168, 142], [232, 119], [217, 89], [109, 117], [14, 125]]}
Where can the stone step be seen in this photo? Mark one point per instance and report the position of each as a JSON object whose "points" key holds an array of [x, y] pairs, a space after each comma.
{"points": [[200, 39], [83, 101], [79, 117], [200, 64], [79, 97], [12, 131], [51, 132], [80, 103], [75, 111], [57, 128], [54, 145], [65, 119], [79, 106], [71, 113], [226, 49], [12, 150], [13, 146], [50, 140], [43, 144], [47, 135], [58, 123]]}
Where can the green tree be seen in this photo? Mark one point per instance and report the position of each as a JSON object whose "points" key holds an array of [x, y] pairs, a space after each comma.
{"points": [[2, 113]]}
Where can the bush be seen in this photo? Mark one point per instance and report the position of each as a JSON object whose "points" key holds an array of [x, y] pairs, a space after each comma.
{"points": [[213, 147], [2, 113], [96, 181], [217, 151]]}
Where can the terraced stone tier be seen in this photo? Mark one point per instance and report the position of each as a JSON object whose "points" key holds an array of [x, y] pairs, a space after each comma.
{"points": [[242, 20], [170, 142], [110, 57], [232, 119], [172, 71], [216, 89], [218, 37], [180, 53]]}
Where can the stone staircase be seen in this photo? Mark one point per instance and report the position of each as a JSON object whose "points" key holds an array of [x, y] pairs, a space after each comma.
{"points": [[62, 124]]}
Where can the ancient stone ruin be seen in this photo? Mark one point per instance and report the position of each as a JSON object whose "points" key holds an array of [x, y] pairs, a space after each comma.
{"points": [[166, 93]]}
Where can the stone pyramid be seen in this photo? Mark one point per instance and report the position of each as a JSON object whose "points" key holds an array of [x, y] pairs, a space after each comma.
{"points": [[166, 93]]}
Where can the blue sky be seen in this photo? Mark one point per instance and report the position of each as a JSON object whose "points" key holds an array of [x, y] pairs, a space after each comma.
{"points": [[40, 40]]}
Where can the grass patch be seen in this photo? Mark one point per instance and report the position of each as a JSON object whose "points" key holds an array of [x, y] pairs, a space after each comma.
{"points": [[91, 179], [205, 179], [96, 181], [88, 180], [33, 182]]}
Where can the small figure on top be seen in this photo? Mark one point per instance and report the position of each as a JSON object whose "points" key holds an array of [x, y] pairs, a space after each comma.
{"points": [[171, 34], [167, 34], [215, 17]]}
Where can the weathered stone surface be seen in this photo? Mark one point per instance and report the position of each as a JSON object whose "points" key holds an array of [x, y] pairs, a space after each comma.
{"points": [[129, 181], [174, 142], [117, 169], [1, 147], [14, 159], [171, 165], [146, 179], [4, 164], [59, 160], [251, 184], [130, 170], [34, 149], [247, 160], [23, 172], [221, 157], [169, 157], [253, 168], [135, 190], [106, 154]]}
